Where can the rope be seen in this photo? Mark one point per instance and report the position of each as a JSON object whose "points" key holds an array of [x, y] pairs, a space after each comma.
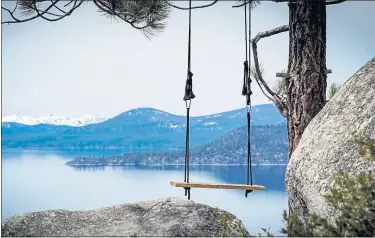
{"points": [[187, 162], [189, 41], [187, 143], [249, 179], [249, 92], [249, 81], [246, 69], [246, 30], [187, 98]]}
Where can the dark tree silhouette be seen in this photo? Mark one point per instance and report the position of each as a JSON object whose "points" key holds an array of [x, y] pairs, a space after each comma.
{"points": [[306, 77], [146, 15]]}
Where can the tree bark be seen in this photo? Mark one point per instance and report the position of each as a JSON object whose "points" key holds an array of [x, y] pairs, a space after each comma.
{"points": [[306, 86]]}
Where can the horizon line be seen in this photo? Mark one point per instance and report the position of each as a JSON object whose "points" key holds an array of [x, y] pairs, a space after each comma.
{"points": [[144, 107]]}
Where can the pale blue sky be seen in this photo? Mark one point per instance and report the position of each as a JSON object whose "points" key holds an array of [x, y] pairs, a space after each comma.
{"points": [[86, 64]]}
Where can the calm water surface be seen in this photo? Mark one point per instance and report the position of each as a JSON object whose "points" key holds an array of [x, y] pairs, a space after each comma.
{"points": [[40, 180]]}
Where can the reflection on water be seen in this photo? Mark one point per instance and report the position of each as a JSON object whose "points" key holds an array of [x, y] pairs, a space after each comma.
{"points": [[272, 177], [34, 181]]}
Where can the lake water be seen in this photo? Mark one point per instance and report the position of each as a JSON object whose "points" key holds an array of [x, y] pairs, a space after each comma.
{"points": [[40, 180]]}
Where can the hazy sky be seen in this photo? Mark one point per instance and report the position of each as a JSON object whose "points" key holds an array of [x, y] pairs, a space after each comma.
{"points": [[86, 64]]}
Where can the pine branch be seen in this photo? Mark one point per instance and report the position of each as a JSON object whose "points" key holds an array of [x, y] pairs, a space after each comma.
{"points": [[41, 13], [144, 15], [23, 5], [253, 3], [186, 8]]}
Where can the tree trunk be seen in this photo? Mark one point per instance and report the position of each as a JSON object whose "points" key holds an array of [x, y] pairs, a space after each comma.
{"points": [[306, 87]]}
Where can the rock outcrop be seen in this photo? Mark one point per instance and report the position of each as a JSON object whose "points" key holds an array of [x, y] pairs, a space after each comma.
{"points": [[164, 217], [328, 145]]}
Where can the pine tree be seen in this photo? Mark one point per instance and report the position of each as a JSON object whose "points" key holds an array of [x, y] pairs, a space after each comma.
{"points": [[333, 89]]}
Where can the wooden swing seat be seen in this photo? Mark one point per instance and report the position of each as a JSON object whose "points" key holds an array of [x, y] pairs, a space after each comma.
{"points": [[217, 186]]}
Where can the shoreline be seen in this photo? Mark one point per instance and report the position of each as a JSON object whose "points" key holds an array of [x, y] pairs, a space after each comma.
{"points": [[159, 165]]}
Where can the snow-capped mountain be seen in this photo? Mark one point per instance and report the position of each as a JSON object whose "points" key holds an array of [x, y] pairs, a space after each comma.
{"points": [[137, 128], [55, 120]]}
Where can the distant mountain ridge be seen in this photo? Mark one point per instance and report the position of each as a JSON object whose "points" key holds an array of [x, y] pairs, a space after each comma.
{"points": [[269, 145], [136, 130]]}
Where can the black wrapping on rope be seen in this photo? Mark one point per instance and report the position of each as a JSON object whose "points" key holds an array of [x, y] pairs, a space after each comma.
{"points": [[189, 87], [245, 73], [248, 100], [187, 192], [189, 81]]}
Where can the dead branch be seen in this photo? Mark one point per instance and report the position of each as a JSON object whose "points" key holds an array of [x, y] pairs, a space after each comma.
{"points": [[62, 11], [41, 13], [335, 2], [15, 7], [272, 32], [16, 20], [68, 3], [186, 8], [242, 4], [278, 100]]}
